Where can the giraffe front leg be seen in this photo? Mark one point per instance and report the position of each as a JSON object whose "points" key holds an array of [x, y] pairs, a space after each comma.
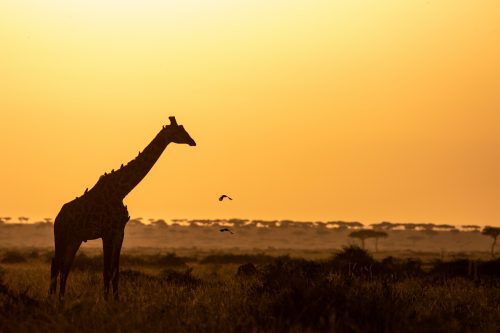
{"points": [[115, 266], [107, 252]]}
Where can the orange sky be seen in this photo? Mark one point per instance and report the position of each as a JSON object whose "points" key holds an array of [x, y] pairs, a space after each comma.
{"points": [[305, 110]]}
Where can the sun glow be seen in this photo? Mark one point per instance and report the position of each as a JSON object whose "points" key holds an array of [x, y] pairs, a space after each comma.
{"points": [[374, 110]]}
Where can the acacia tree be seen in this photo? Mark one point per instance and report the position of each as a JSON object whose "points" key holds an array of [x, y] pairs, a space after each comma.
{"points": [[378, 234], [361, 235], [23, 219], [354, 224], [471, 227], [364, 234], [493, 232], [384, 225], [409, 226]]}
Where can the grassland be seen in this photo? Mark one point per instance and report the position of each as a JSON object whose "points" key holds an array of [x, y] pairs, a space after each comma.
{"points": [[202, 291]]}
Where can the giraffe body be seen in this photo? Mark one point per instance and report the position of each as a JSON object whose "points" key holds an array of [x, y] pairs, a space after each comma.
{"points": [[100, 212], [97, 218]]}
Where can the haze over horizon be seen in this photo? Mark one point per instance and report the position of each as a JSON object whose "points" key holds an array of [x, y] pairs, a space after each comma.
{"points": [[304, 110]]}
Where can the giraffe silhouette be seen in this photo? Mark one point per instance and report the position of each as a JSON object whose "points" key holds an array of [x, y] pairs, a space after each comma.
{"points": [[100, 212]]}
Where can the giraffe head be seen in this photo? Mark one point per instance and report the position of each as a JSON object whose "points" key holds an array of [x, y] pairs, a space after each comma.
{"points": [[177, 133]]}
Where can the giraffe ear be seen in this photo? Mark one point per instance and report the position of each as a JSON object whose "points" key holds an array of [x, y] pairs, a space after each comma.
{"points": [[173, 121]]}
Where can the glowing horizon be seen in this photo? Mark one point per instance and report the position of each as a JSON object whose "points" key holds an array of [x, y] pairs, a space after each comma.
{"points": [[324, 110]]}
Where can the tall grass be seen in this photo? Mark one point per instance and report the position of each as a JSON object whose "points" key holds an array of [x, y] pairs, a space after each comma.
{"points": [[350, 292]]}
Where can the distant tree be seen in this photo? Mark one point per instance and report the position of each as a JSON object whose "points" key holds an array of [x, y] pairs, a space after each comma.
{"points": [[426, 226], [364, 234], [378, 234], [444, 227], [48, 219], [135, 222], [237, 222], [192, 223], [340, 224], [384, 225], [414, 239], [429, 232], [320, 226], [409, 226], [285, 223], [355, 224], [159, 223], [7, 218], [471, 227], [23, 219], [266, 224], [493, 232]]}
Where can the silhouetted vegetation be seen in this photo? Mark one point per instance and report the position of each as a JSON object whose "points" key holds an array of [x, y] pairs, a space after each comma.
{"points": [[95, 263], [13, 257], [350, 291], [237, 259], [493, 232], [184, 278], [364, 234]]}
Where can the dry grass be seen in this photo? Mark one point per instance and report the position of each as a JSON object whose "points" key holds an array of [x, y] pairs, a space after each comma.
{"points": [[357, 294]]}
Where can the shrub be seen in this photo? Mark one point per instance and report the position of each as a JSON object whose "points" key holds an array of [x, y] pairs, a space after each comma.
{"points": [[490, 268], [247, 270], [255, 259], [133, 276], [184, 278], [171, 259], [13, 257], [83, 262], [398, 268], [353, 260]]}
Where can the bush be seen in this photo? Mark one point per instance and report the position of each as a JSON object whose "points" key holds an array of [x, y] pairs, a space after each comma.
{"points": [[83, 262], [184, 278], [171, 259], [133, 276], [13, 257], [255, 259], [398, 268], [247, 270], [353, 260]]}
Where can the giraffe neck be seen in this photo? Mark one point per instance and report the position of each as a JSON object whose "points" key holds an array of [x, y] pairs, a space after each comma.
{"points": [[119, 183]]}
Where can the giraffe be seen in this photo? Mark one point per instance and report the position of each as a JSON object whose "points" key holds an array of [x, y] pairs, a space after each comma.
{"points": [[100, 212]]}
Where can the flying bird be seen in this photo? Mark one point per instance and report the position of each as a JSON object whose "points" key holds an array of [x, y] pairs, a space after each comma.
{"points": [[226, 229], [224, 196]]}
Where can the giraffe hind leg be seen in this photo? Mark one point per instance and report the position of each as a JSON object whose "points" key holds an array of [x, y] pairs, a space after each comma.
{"points": [[65, 264], [54, 272]]}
